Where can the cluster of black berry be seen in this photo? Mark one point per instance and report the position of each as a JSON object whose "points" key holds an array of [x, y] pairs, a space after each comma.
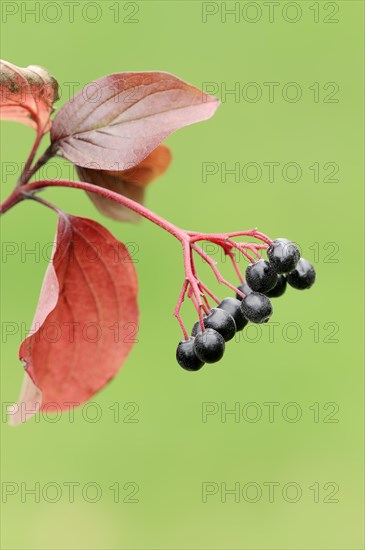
{"points": [[264, 280]]}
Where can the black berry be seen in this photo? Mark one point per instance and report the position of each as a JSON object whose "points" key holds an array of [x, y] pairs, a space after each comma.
{"points": [[261, 276], [209, 346], [278, 289], [186, 356], [219, 320], [243, 288], [233, 307], [196, 328], [283, 255], [303, 275], [256, 307]]}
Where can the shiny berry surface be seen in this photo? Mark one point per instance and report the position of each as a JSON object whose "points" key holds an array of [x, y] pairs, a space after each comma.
{"points": [[283, 255], [303, 276], [233, 307], [186, 357], [219, 320], [261, 276], [257, 307], [209, 346], [243, 287], [279, 288]]}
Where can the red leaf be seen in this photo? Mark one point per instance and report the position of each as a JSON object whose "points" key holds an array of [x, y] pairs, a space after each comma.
{"points": [[27, 95], [86, 314], [130, 183], [123, 117]]}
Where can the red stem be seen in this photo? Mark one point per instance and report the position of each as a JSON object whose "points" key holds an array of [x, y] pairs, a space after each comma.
{"points": [[180, 234], [178, 308], [211, 263], [235, 266], [209, 292], [224, 236], [24, 175], [13, 199]]}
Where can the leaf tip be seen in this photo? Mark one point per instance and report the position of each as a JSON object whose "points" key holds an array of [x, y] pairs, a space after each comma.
{"points": [[28, 405]]}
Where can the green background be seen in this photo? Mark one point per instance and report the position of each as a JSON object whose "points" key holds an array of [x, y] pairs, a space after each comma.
{"points": [[169, 452]]}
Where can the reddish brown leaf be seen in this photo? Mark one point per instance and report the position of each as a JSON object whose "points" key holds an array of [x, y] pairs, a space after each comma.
{"points": [[119, 119], [27, 95], [150, 168], [86, 319], [130, 183]]}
